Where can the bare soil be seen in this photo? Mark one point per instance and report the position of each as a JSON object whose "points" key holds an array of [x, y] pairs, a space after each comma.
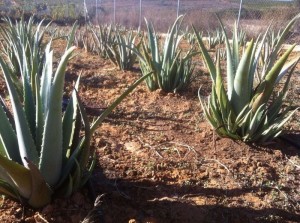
{"points": [[160, 161]]}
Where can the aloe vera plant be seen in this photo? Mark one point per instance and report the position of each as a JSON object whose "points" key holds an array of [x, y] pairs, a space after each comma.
{"points": [[42, 150], [248, 110], [215, 38], [190, 37], [84, 39], [23, 39], [172, 72], [103, 37], [119, 53], [27, 147], [269, 45]]}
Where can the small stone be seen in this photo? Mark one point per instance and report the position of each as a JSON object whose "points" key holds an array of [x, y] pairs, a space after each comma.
{"points": [[203, 135], [18, 211], [261, 171], [222, 171], [30, 220], [278, 154], [133, 147], [252, 169], [132, 173], [203, 175], [214, 174], [288, 169]]}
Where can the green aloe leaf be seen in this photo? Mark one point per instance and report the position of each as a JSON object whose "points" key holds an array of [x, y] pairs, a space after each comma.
{"points": [[280, 41], [46, 79], [71, 36], [85, 153], [220, 91], [25, 141], [19, 176], [265, 89], [39, 117], [286, 68], [40, 191], [231, 62], [77, 176], [69, 121], [7, 189], [276, 104], [241, 94], [208, 61], [8, 138], [256, 120], [258, 46], [29, 90], [52, 150], [153, 43]]}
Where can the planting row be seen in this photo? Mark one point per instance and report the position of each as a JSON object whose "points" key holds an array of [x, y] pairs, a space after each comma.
{"points": [[42, 149]]}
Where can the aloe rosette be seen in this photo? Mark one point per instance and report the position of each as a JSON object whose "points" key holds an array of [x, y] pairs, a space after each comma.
{"points": [[171, 70], [45, 151], [31, 145], [118, 52], [249, 109], [23, 38]]}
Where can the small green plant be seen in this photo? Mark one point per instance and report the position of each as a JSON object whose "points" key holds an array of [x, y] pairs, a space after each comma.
{"points": [[84, 39], [242, 37], [269, 45], [215, 38], [119, 53], [103, 37], [56, 32], [23, 39], [190, 37], [172, 72], [247, 110]]}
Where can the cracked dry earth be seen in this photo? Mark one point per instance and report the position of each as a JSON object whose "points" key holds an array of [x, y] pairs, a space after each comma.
{"points": [[160, 161]]}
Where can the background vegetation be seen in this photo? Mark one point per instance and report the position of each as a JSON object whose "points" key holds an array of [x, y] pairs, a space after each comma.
{"points": [[159, 12]]}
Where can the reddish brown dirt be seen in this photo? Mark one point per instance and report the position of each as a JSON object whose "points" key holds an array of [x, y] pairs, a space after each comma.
{"points": [[159, 161]]}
